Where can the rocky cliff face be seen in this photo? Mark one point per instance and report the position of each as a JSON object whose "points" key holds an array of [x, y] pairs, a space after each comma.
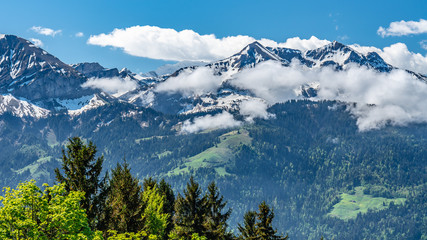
{"points": [[28, 71]]}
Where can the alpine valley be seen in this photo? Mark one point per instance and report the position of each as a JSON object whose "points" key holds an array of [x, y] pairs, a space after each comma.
{"points": [[267, 123]]}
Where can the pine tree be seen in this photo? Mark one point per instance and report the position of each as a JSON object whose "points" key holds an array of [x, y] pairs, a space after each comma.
{"points": [[264, 225], [165, 190], [216, 221], [258, 225], [149, 183], [81, 173], [124, 202], [248, 231], [190, 212]]}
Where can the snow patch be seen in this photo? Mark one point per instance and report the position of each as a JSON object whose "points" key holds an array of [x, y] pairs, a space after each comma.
{"points": [[20, 107], [94, 102]]}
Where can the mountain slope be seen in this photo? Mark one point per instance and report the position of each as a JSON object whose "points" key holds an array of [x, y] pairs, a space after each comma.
{"points": [[30, 72]]}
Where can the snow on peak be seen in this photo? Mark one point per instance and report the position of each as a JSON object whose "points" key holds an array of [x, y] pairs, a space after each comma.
{"points": [[84, 104], [20, 107]]}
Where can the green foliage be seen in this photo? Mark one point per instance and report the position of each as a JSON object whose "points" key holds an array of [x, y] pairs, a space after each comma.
{"points": [[154, 218], [300, 162], [124, 204], [29, 213], [114, 235], [81, 173]]}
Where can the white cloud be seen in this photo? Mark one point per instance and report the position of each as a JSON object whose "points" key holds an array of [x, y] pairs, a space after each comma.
{"points": [[404, 28], [397, 97], [79, 34], [45, 31], [36, 42], [271, 81], [304, 44], [218, 121], [254, 108], [423, 44], [186, 45], [113, 85], [399, 56], [197, 82]]}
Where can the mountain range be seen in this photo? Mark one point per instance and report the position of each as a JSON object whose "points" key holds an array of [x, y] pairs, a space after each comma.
{"points": [[30, 74], [244, 122]]}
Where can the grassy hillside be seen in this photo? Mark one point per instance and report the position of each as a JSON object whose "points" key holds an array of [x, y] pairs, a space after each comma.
{"points": [[217, 156], [353, 204]]}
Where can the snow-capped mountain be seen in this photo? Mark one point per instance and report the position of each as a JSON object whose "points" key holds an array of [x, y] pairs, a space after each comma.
{"points": [[35, 83], [168, 69], [30, 72], [340, 56], [95, 70], [334, 55], [21, 108]]}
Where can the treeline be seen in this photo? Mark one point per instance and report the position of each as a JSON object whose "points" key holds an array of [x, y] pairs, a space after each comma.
{"points": [[86, 205]]}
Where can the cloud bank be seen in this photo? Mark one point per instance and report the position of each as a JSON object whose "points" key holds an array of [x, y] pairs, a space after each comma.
{"points": [[396, 97], [113, 85], [218, 121], [404, 28], [45, 31]]}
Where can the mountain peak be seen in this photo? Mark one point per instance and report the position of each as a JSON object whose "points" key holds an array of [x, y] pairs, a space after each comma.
{"points": [[30, 72], [258, 51], [335, 45]]}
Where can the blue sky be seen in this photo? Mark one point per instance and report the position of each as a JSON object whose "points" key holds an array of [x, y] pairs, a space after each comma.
{"points": [[350, 22]]}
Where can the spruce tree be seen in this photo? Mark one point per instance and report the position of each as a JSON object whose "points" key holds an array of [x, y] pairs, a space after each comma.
{"points": [[258, 225], [248, 230], [165, 189], [264, 225], [82, 173], [190, 212], [124, 202], [216, 221]]}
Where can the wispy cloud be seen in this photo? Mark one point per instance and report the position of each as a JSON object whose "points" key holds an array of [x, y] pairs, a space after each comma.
{"points": [[218, 121], [254, 108], [188, 83], [45, 31], [36, 42], [113, 85], [404, 28], [79, 34], [423, 44], [186, 45]]}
